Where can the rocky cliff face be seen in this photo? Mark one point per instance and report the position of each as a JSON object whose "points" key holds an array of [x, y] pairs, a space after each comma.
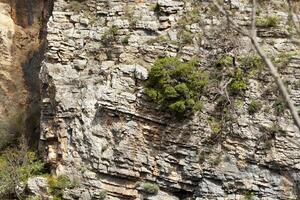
{"points": [[98, 126], [22, 38]]}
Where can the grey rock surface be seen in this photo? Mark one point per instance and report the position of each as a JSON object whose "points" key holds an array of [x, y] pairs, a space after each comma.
{"points": [[98, 125]]}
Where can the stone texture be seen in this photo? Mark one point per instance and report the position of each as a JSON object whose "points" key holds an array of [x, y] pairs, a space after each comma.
{"points": [[97, 124]]}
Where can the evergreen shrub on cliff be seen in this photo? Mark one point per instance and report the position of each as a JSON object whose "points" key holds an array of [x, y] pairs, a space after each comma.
{"points": [[176, 86]]}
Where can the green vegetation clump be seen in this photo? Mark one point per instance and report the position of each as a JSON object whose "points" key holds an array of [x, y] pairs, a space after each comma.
{"points": [[239, 83], [176, 86], [57, 185], [252, 62], [102, 195], [279, 106], [268, 21], [160, 40], [225, 61], [125, 40], [185, 37], [16, 166], [282, 60], [110, 36], [248, 196], [190, 17], [215, 126], [150, 188], [254, 107]]}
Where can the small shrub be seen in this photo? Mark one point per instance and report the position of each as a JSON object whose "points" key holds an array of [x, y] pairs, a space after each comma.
{"points": [[190, 17], [251, 61], [160, 40], [225, 61], [125, 40], [282, 60], [16, 166], [254, 107], [268, 21], [239, 84], [272, 130], [102, 195], [150, 188], [279, 106], [185, 37], [215, 126], [176, 86], [129, 11], [248, 196], [297, 85], [57, 185], [110, 36]]}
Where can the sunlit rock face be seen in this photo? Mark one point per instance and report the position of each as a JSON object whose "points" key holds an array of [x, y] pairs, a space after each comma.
{"points": [[98, 126], [8, 75], [22, 44]]}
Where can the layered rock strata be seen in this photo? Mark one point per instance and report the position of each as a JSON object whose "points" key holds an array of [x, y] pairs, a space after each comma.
{"points": [[98, 126]]}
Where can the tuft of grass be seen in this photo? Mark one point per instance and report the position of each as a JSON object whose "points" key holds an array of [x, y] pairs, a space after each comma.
{"points": [[268, 21], [254, 107], [225, 61], [110, 36], [160, 40], [185, 37], [248, 196], [150, 188], [125, 40], [239, 83], [215, 125], [57, 185], [102, 195], [279, 106]]}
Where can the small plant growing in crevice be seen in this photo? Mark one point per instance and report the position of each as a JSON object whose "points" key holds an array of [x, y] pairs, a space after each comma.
{"points": [[225, 61], [254, 107], [282, 60], [125, 40], [190, 17], [17, 165], [102, 195], [253, 63], [274, 129], [239, 83], [215, 125], [150, 188], [110, 36], [248, 196], [268, 21], [160, 40], [176, 86], [185, 37], [279, 106], [57, 185]]}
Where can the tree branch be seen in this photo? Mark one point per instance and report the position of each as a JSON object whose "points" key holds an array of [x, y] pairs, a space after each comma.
{"points": [[252, 36]]}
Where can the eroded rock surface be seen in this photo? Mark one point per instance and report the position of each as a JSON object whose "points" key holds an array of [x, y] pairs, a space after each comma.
{"points": [[98, 127]]}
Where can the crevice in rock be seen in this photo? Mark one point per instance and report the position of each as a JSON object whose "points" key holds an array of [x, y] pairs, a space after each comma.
{"points": [[30, 17]]}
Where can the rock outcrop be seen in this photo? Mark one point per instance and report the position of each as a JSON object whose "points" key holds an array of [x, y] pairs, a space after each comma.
{"points": [[22, 38], [98, 126]]}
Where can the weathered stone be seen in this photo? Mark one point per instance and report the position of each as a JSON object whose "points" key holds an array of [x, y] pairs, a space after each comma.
{"points": [[96, 117]]}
